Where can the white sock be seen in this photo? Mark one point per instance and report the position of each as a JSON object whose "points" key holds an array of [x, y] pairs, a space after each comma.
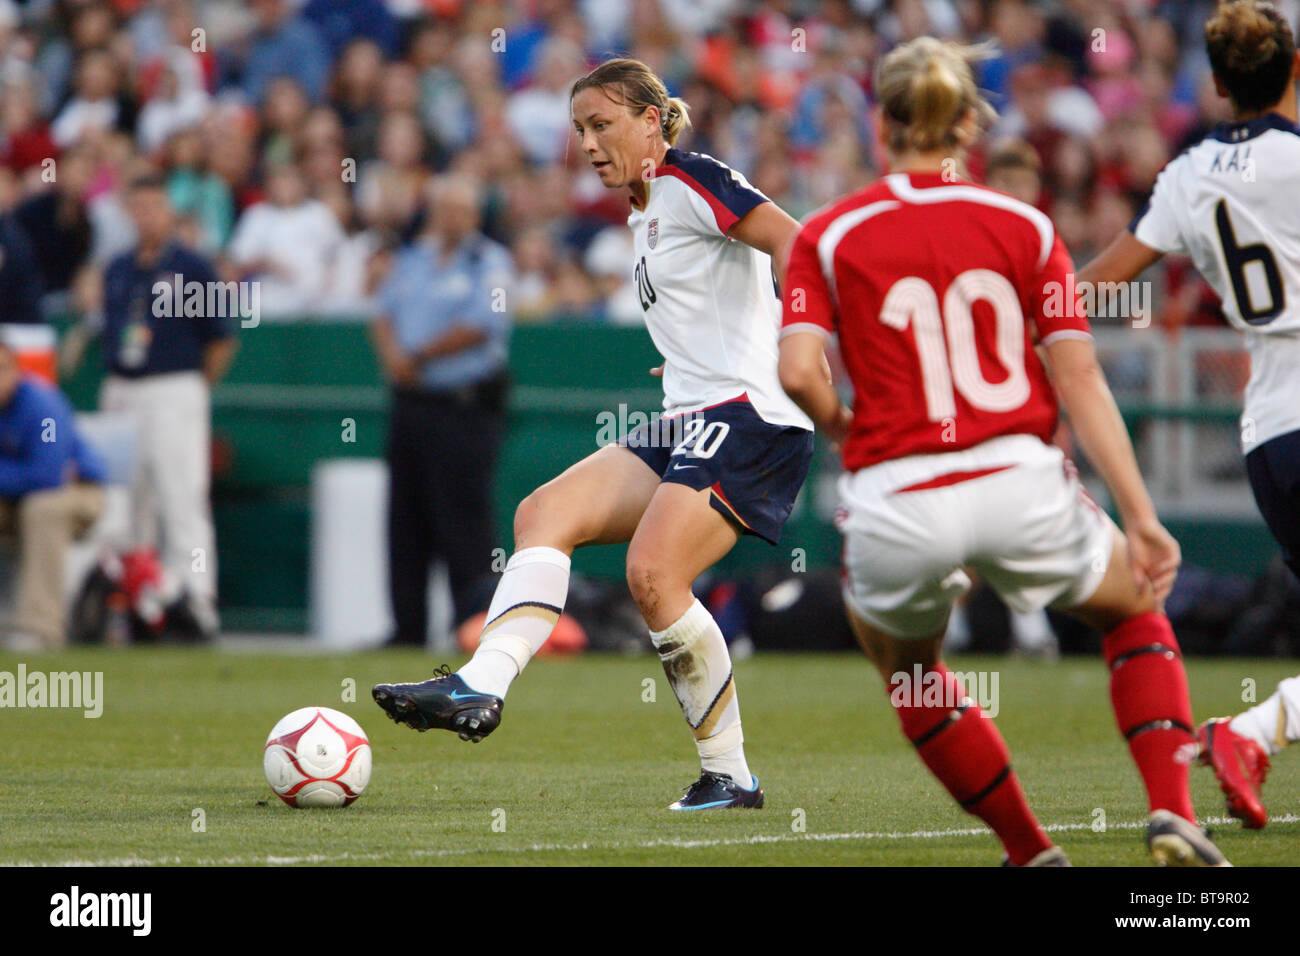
{"points": [[1274, 722], [527, 603], [695, 659]]}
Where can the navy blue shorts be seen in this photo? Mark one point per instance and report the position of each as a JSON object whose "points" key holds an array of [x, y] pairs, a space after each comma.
{"points": [[754, 469], [1274, 471]]}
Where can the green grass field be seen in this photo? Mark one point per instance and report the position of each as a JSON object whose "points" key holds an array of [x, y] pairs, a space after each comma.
{"points": [[581, 769]]}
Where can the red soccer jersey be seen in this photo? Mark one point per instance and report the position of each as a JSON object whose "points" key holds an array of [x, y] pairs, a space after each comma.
{"points": [[938, 292]]}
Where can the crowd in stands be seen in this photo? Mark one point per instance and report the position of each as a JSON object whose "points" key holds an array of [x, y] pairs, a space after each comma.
{"points": [[298, 138]]}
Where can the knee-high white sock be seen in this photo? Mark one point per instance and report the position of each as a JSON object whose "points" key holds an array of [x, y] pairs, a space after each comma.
{"points": [[1275, 722], [527, 603], [698, 666]]}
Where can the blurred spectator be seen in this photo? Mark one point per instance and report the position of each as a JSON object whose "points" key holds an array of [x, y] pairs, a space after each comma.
{"points": [[390, 186], [381, 94], [361, 260], [162, 360], [287, 244], [50, 495], [340, 21], [539, 115], [284, 113], [95, 106], [355, 95], [20, 275], [197, 192], [284, 44], [441, 335], [607, 260], [1013, 167], [26, 136], [56, 221], [179, 102]]}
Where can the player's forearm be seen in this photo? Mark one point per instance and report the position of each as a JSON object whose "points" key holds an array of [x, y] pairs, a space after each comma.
{"points": [[1121, 261], [1099, 427], [809, 389]]}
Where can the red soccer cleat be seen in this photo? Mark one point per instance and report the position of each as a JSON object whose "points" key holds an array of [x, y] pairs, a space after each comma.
{"points": [[1240, 765]]}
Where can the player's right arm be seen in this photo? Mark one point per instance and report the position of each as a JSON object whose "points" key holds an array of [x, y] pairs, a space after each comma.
{"points": [[1122, 261], [1153, 234], [1099, 428]]}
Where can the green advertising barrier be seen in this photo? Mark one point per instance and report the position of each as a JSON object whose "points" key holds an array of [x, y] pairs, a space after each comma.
{"points": [[302, 392]]}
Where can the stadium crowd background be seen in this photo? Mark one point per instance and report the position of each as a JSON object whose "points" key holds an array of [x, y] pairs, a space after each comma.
{"points": [[355, 104]]}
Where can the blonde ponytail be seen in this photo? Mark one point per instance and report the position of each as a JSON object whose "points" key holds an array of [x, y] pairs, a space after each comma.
{"points": [[926, 88]]}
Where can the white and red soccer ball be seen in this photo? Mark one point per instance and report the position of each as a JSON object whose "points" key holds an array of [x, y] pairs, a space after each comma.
{"points": [[317, 757]]}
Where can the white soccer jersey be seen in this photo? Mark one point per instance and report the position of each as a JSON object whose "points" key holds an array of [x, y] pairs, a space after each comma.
{"points": [[709, 301], [1232, 203]]}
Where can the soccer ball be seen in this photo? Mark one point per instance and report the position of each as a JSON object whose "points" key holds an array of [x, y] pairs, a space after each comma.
{"points": [[317, 757]]}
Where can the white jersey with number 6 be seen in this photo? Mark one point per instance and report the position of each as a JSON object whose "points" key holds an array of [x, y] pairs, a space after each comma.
{"points": [[1232, 203]]}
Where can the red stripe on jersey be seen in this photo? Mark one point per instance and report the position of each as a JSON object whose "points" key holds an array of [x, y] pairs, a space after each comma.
{"points": [[742, 397], [952, 478], [724, 216]]}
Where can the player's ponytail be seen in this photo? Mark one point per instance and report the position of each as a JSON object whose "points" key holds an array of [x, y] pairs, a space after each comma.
{"points": [[926, 88], [636, 86], [1251, 51], [675, 118]]}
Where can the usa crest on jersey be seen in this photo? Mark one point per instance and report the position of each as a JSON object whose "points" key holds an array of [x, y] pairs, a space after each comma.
{"points": [[652, 233]]}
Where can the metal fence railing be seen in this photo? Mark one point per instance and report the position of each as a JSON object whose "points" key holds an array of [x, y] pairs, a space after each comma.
{"points": [[1181, 395]]}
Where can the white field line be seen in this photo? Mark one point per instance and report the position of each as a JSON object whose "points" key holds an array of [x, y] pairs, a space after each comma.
{"points": [[585, 846]]}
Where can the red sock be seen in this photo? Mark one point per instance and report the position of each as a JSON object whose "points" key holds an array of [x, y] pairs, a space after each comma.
{"points": [[965, 751], [1148, 689]]}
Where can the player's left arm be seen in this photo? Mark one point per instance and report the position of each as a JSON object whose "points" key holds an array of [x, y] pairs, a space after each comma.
{"points": [[770, 229], [805, 376], [1080, 384], [807, 321]]}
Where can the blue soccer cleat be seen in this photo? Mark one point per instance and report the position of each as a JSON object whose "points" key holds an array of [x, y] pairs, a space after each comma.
{"points": [[717, 791], [446, 703]]}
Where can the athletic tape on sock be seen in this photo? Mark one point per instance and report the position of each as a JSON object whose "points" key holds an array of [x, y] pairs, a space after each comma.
{"points": [[721, 744]]}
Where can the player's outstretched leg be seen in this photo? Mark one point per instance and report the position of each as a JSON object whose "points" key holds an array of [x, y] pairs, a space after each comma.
{"points": [[680, 536], [958, 743], [597, 501], [1239, 749], [1153, 710], [527, 604]]}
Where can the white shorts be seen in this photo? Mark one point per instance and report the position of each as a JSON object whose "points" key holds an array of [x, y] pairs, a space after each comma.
{"points": [[1028, 528]]}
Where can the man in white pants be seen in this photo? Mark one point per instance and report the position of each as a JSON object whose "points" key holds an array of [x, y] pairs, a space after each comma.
{"points": [[162, 360]]}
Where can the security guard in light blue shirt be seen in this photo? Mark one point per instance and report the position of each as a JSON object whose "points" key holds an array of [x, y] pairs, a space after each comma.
{"points": [[442, 335]]}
